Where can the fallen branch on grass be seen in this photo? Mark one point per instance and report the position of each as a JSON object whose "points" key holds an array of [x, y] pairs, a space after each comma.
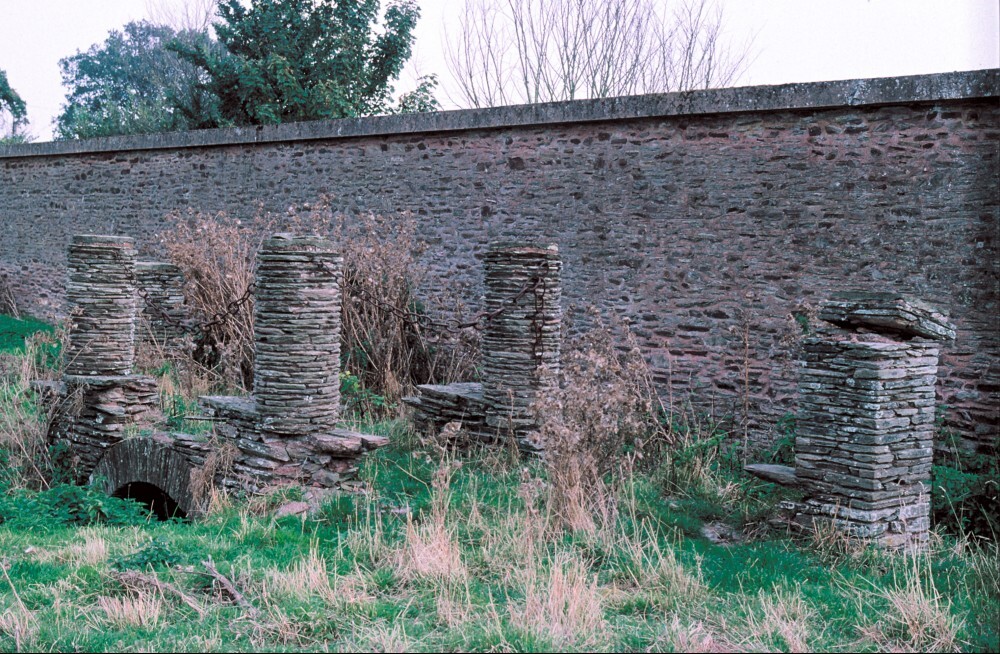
{"points": [[230, 588], [136, 580]]}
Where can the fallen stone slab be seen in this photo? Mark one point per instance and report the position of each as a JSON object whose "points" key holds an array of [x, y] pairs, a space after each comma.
{"points": [[887, 312]]}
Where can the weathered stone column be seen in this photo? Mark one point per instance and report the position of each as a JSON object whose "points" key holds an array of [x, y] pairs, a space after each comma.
{"points": [[164, 311], [297, 336], [865, 427], [102, 295], [99, 396], [521, 344]]}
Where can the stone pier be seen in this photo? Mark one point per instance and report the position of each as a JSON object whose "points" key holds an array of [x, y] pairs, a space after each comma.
{"points": [[521, 339], [287, 431], [866, 419], [102, 295], [99, 398], [297, 336], [520, 351]]}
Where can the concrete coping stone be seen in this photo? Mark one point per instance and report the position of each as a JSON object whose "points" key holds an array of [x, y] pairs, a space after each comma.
{"points": [[910, 89]]}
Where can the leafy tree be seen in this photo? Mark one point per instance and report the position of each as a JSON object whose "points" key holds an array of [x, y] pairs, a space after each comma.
{"points": [[293, 60], [12, 110], [132, 84]]}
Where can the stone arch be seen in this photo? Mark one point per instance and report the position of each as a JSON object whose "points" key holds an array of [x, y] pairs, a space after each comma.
{"points": [[143, 461]]}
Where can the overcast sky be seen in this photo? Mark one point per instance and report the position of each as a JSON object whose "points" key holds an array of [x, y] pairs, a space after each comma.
{"points": [[793, 40]]}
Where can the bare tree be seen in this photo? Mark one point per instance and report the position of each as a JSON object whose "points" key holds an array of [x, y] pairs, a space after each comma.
{"points": [[516, 51], [182, 15]]}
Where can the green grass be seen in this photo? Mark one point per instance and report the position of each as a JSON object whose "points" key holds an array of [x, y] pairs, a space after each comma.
{"points": [[773, 593], [14, 331]]}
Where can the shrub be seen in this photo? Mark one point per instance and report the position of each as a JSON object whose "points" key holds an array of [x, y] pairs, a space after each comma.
{"points": [[605, 406], [217, 255], [389, 340]]}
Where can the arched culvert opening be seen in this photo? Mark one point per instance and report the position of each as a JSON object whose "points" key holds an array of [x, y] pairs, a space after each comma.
{"points": [[151, 472], [155, 499]]}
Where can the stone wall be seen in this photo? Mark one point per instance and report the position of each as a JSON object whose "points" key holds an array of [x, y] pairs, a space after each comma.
{"points": [[700, 216]]}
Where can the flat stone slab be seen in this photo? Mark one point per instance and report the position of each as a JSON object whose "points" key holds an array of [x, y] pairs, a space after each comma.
{"points": [[228, 405], [777, 474], [888, 313]]}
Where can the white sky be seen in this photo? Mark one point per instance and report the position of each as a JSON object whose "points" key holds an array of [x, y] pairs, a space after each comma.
{"points": [[795, 40]]}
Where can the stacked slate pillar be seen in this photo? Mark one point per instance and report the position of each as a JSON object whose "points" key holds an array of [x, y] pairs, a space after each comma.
{"points": [[102, 296], [163, 311], [297, 336], [865, 425], [521, 339], [287, 431], [100, 397]]}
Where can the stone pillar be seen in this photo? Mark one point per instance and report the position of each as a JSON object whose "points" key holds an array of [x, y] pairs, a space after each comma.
{"points": [[161, 314], [297, 336], [521, 344], [102, 296], [866, 419]]}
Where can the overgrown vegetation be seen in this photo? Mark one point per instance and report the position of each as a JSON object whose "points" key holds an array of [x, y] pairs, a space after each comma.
{"points": [[639, 530], [386, 346]]}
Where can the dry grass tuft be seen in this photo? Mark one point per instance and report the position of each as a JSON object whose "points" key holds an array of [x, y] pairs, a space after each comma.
{"points": [[918, 618], [430, 549], [564, 605], [93, 551], [780, 617], [306, 579], [138, 610], [21, 626], [692, 637]]}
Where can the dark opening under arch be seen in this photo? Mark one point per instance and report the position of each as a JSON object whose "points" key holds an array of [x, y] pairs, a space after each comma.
{"points": [[154, 498], [151, 472]]}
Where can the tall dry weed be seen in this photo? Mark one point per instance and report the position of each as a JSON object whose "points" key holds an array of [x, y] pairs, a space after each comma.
{"points": [[217, 256], [395, 334], [605, 401]]}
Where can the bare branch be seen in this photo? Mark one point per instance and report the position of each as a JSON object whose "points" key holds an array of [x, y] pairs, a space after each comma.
{"points": [[515, 51]]}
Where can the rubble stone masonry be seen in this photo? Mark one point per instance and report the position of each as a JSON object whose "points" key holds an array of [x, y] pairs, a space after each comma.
{"points": [[691, 214]]}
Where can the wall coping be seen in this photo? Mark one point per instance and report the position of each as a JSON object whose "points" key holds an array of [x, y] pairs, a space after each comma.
{"points": [[749, 99]]}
